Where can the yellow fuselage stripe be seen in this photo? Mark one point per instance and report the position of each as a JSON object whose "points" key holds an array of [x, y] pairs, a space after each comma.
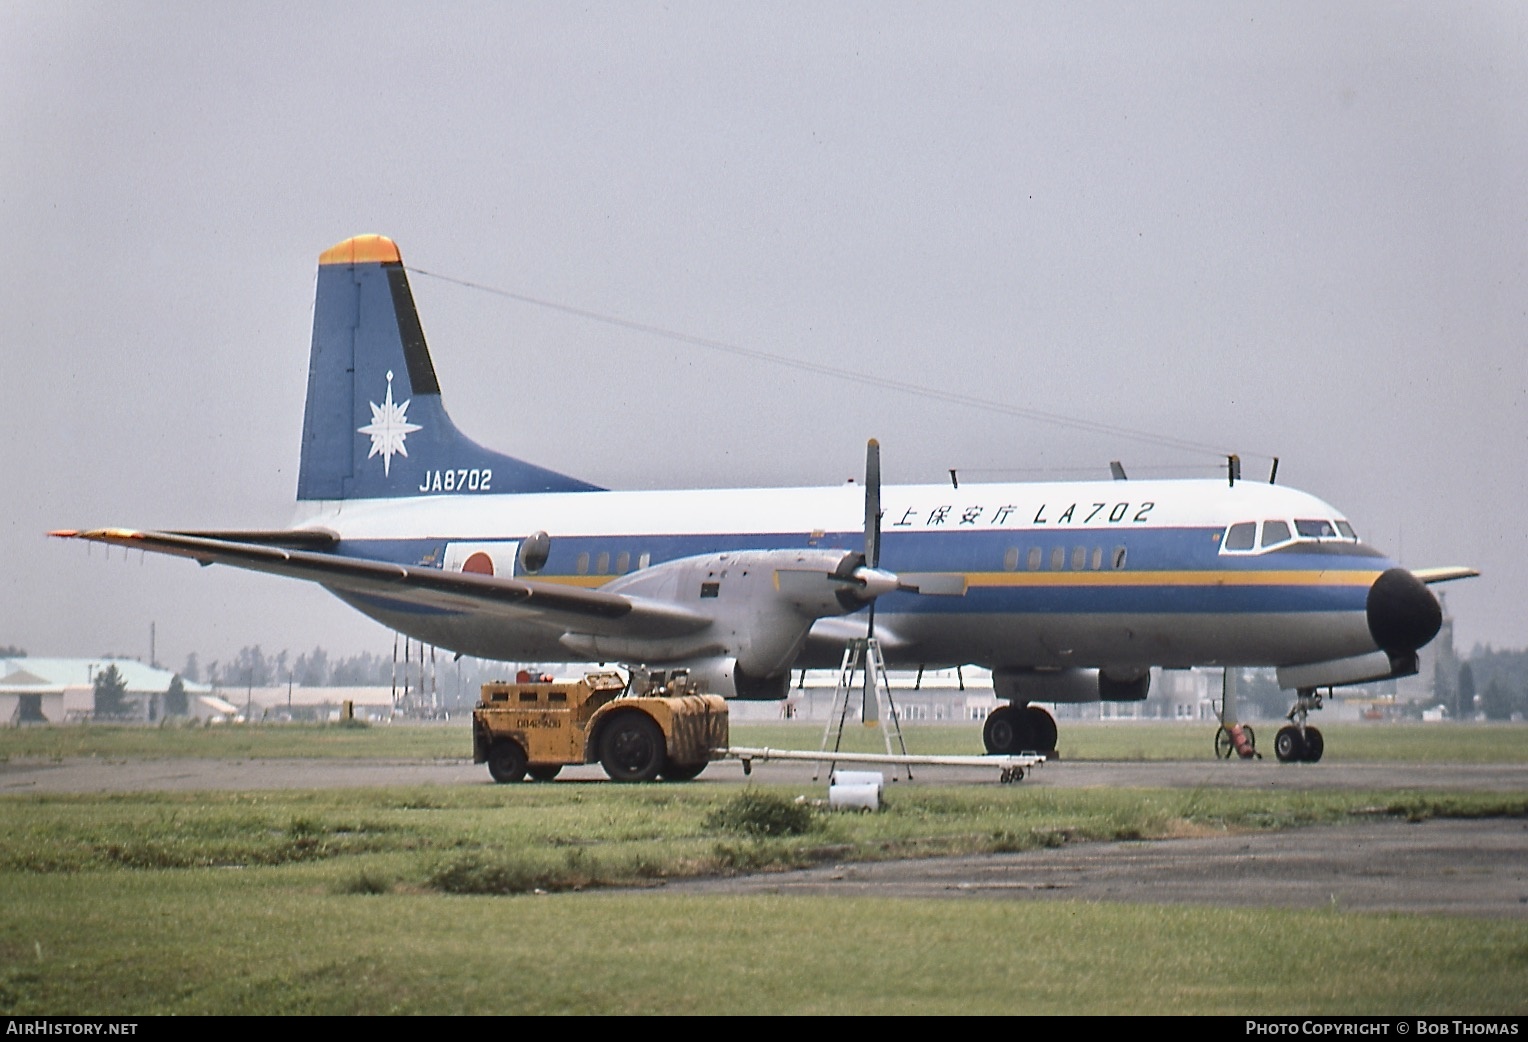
{"points": [[1335, 577]]}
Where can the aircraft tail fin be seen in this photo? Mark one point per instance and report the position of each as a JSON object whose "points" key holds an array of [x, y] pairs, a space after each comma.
{"points": [[375, 427]]}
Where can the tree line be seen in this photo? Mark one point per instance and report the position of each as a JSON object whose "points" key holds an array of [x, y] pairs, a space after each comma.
{"points": [[252, 667], [458, 680]]}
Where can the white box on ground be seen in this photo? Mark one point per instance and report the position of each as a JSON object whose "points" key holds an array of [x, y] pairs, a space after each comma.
{"points": [[875, 778], [856, 790]]}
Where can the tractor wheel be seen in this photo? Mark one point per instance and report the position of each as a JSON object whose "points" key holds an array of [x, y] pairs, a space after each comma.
{"points": [[506, 761], [632, 748]]}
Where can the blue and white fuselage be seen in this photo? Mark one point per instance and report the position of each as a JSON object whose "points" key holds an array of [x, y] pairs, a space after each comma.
{"points": [[1120, 575]]}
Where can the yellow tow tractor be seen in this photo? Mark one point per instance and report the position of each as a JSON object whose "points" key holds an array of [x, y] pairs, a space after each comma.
{"points": [[658, 726]]}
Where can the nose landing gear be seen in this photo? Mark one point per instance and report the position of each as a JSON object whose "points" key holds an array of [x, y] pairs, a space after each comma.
{"points": [[1299, 742]]}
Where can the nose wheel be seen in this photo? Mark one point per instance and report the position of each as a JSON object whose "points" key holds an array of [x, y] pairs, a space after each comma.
{"points": [[1299, 742]]}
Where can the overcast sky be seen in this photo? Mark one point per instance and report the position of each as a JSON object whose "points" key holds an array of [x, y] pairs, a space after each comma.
{"points": [[1292, 229]]}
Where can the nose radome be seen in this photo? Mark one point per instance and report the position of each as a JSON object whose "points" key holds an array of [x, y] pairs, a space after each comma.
{"points": [[1403, 613]]}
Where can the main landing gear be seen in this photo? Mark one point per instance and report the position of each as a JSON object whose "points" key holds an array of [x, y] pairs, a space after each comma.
{"points": [[1011, 730], [1299, 742]]}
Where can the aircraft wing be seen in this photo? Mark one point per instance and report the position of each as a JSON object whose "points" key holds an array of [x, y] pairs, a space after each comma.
{"points": [[591, 610]]}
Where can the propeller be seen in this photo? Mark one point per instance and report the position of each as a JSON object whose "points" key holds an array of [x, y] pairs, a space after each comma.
{"points": [[872, 519], [855, 579], [873, 503]]}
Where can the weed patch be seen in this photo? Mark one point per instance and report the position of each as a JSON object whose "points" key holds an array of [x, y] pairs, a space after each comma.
{"points": [[484, 874], [754, 813], [365, 881]]}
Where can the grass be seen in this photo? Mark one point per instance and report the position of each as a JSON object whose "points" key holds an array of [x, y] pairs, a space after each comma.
{"points": [[275, 941], [573, 835], [451, 741], [464, 900], [1080, 740], [498, 899]]}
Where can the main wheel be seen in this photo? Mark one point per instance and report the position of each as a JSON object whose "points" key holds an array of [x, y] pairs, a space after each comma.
{"points": [[682, 771], [1007, 731], [543, 771], [506, 761], [1288, 745], [1042, 730], [1315, 745], [632, 748]]}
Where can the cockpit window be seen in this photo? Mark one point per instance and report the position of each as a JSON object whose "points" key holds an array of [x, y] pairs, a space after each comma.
{"points": [[1274, 533], [1242, 536]]}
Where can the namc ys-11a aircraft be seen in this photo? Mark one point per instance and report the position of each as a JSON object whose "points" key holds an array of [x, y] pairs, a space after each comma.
{"points": [[1067, 592]]}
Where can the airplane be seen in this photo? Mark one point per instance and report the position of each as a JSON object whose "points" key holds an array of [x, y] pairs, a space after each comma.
{"points": [[1067, 591]]}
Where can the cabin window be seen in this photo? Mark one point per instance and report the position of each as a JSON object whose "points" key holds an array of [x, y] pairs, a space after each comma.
{"points": [[623, 562], [1119, 558], [1241, 536], [602, 564], [1035, 557], [1011, 559], [1274, 533], [1058, 558], [644, 560], [1079, 558], [583, 563], [1098, 558]]}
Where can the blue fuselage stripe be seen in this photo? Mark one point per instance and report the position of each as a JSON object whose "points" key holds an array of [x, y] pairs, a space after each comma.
{"points": [[1186, 572]]}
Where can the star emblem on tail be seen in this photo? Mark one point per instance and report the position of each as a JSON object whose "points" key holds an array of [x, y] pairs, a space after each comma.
{"points": [[388, 428]]}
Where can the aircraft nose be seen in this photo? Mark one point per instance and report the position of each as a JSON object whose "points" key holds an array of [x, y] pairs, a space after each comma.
{"points": [[1403, 613]]}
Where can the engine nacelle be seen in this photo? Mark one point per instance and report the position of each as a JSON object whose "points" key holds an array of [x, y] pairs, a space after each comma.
{"points": [[1046, 685], [1070, 685], [761, 604], [1116, 687], [724, 677]]}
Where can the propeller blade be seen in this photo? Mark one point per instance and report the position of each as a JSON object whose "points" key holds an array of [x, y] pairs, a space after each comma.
{"points": [[873, 503], [865, 584], [872, 520]]}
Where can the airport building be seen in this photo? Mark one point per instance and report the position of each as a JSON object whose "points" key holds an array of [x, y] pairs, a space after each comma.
{"points": [[62, 690]]}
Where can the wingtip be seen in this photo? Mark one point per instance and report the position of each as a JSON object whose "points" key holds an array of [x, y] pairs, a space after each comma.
{"points": [[97, 534]]}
